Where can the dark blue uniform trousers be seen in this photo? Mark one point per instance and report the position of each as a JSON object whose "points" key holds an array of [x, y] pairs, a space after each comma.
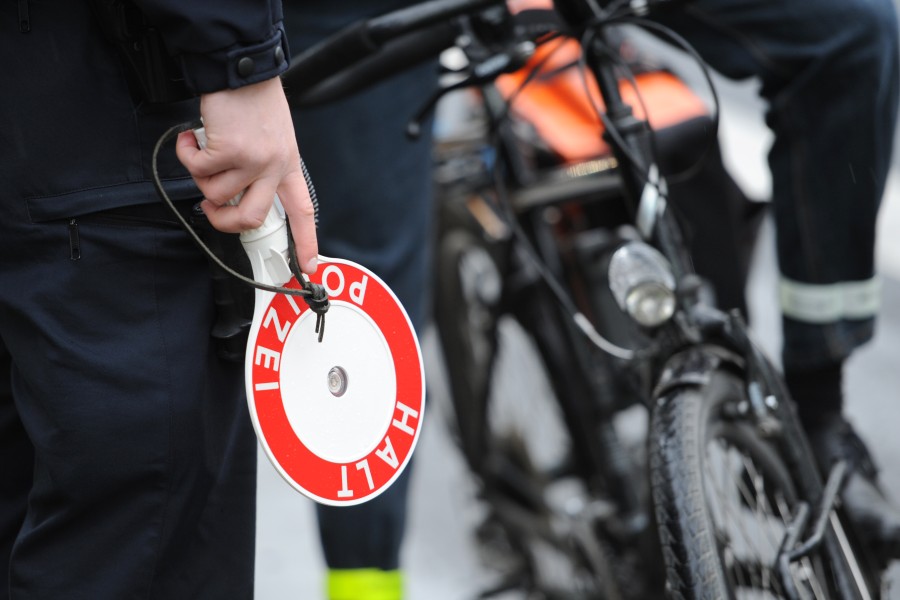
{"points": [[127, 458]]}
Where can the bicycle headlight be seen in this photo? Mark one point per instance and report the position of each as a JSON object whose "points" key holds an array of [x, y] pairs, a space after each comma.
{"points": [[642, 283]]}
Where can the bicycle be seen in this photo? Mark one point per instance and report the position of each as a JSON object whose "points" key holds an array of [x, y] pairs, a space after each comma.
{"points": [[589, 261]]}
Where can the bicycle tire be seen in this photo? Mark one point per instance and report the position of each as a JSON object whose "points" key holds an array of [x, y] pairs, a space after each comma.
{"points": [[496, 419], [466, 321], [703, 560]]}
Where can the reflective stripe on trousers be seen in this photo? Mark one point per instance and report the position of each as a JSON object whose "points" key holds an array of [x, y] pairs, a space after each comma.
{"points": [[828, 303]]}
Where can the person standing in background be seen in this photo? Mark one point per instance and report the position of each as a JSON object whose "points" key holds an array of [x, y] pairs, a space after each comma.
{"points": [[374, 187]]}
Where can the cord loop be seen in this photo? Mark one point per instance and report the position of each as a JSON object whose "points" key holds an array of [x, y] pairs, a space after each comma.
{"points": [[313, 293]]}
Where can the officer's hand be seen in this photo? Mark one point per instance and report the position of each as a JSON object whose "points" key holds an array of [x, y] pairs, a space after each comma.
{"points": [[251, 147]]}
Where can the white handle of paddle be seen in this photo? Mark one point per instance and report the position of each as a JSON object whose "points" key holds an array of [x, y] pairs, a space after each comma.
{"points": [[267, 245]]}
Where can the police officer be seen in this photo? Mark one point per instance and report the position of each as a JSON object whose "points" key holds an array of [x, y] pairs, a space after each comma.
{"points": [[127, 460]]}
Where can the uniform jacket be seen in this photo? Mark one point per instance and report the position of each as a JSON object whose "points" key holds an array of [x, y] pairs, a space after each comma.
{"points": [[74, 136]]}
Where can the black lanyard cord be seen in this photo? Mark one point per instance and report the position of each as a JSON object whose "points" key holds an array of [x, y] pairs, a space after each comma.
{"points": [[313, 293]]}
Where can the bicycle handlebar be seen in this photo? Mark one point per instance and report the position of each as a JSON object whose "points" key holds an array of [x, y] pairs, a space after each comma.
{"points": [[357, 73], [371, 49]]}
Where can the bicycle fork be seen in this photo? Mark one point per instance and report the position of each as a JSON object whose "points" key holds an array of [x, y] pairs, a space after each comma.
{"points": [[793, 550]]}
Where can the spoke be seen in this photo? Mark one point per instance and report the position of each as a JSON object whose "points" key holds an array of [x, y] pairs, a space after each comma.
{"points": [[772, 513], [735, 518], [749, 539], [741, 492]]}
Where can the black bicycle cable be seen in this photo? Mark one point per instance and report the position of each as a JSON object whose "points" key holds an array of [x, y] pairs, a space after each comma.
{"points": [[550, 36], [651, 178], [533, 72], [628, 74], [314, 294], [609, 126], [581, 321], [679, 41]]}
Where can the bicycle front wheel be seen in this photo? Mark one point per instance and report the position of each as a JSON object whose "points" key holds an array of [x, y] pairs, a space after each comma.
{"points": [[724, 500]]}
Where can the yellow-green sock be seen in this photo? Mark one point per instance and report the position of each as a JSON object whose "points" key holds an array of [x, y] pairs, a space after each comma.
{"points": [[364, 584]]}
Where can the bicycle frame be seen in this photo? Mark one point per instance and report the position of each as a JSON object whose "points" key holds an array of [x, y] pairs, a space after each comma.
{"points": [[585, 380], [700, 318]]}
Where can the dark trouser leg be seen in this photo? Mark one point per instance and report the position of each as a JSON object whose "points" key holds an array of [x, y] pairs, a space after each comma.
{"points": [[374, 187], [16, 466], [829, 73], [143, 453]]}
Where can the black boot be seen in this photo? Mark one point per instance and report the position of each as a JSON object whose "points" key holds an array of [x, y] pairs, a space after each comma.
{"points": [[875, 517]]}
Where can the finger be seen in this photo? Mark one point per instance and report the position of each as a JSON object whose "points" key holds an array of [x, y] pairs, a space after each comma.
{"points": [[225, 187], [249, 214], [294, 195], [207, 162], [186, 148], [219, 187], [197, 161]]}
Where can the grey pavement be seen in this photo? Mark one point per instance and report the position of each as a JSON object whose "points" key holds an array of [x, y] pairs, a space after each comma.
{"points": [[440, 559]]}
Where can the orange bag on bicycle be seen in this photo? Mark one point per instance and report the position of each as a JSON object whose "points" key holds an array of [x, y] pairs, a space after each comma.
{"points": [[558, 98]]}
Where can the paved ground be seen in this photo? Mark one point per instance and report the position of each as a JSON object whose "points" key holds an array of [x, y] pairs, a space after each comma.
{"points": [[440, 560]]}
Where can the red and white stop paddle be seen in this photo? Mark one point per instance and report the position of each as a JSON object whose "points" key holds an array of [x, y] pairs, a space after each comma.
{"points": [[338, 419]]}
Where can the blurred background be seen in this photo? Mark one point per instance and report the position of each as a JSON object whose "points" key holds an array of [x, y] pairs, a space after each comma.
{"points": [[441, 560]]}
